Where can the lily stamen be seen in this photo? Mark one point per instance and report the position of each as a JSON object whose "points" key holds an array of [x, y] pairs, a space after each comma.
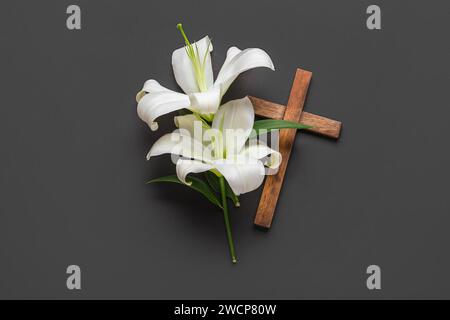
{"points": [[197, 63]]}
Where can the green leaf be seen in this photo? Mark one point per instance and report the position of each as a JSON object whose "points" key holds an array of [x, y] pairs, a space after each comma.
{"points": [[231, 195], [213, 181], [197, 184], [270, 124]]}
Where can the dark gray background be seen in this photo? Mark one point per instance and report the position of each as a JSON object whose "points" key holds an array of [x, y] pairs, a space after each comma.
{"points": [[72, 167]]}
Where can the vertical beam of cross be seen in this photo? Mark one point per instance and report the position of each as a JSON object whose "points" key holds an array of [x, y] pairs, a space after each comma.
{"points": [[273, 184]]}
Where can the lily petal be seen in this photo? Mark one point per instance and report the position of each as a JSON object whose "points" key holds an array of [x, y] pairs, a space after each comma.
{"points": [[177, 143], [243, 175], [184, 71], [184, 167], [260, 150], [235, 120], [155, 100], [205, 102], [238, 61], [187, 122], [191, 124]]}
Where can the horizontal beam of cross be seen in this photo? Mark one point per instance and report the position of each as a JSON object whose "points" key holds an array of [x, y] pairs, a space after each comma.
{"points": [[321, 125]]}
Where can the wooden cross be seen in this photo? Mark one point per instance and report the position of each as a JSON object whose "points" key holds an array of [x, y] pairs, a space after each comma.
{"points": [[291, 112]]}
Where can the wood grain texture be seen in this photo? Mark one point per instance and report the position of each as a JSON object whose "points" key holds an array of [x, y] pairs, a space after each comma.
{"points": [[273, 183], [267, 109], [320, 125]]}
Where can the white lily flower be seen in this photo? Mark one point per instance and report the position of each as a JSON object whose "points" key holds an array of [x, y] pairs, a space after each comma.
{"points": [[222, 148], [193, 72]]}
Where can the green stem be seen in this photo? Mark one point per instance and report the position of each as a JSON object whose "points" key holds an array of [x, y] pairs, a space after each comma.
{"points": [[226, 218]]}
